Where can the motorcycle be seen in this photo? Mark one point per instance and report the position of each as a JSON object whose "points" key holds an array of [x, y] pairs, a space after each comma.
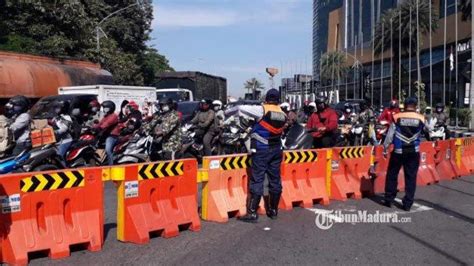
{"points": [[234, 138], [135, 148], [38, 159], [381, 130], [297, 137], [436, 130], [190, 148], [358, 136], [83, 152]]}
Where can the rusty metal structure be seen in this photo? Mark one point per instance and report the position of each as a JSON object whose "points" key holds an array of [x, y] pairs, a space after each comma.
{"points": [[39, 76]]}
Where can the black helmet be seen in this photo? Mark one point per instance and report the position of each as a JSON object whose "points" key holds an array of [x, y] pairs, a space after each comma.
{"points": [[60, 107], [394, 104], [205, 102], [439, 105], [321, 100], [272, 96], [363, 105], [348, 106], [411, 101], [108, 106], [17, 105]]}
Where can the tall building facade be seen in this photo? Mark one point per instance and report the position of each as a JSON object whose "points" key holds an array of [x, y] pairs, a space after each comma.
{"points": [[348, 26]]}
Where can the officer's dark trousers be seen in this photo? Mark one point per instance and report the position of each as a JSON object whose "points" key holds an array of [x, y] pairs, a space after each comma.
{"points": [[266, 162], [410, 163]]}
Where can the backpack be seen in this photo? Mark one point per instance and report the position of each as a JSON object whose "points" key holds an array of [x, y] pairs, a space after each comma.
{"points": [[6, 137]]}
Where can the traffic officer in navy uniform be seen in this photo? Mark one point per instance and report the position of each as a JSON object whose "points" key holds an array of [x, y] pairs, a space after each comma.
{"points": [[405, 135], [266, 156]]}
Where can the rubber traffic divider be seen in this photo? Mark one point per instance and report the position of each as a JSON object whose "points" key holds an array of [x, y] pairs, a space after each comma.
{"points": [[427, 173], [158, 197], [445, 160], [349, 175], [225, 187], [50, 211], [460, 161], [380, 172], [303, 175]]}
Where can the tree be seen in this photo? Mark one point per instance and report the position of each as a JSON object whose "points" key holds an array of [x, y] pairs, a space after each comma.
{"points": [[67, 29], [333, 67], [253, 85], [394, 23]]}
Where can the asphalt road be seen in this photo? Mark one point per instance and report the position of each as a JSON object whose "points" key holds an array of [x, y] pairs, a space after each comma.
{"points": [[441, 232]]}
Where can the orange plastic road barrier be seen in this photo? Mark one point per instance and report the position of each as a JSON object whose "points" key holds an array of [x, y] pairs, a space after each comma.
{"points": [[159, 197], [461, 161], [467, 154], [50, 211], [349, 175], [445, 159], [225, 186], [381, 167], [427, 173], [303, 175]]}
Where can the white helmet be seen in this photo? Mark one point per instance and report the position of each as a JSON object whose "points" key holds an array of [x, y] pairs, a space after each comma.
{"points": [[312, 104], [217, 103], [285, 106]]}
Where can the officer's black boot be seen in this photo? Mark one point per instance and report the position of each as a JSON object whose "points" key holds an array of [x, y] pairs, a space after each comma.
{"points": [[251, 216], [272, 210]]}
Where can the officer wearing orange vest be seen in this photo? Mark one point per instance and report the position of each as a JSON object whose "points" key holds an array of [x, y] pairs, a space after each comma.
{"points": [[266, 156]]}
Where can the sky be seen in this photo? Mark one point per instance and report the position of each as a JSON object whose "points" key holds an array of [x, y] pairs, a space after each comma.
{"points": [[235, 39]]}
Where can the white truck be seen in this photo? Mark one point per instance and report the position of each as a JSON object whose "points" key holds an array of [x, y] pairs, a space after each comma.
{"points": [[114, 93]]}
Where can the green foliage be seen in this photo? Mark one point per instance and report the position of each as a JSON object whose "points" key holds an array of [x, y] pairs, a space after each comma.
{"points": [[253, 85], [67, 29], [333, 66]]}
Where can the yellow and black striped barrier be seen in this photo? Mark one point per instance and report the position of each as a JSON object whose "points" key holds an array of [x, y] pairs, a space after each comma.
{"points": [[160, 170], [300, 157], [232, 163], [52, 181], [352, 153]]}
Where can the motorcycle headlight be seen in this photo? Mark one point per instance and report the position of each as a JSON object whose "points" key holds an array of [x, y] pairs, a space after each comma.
{"points": [[234, 130]]}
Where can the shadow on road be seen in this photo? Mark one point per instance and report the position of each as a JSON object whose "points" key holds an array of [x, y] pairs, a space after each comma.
{"points": [[456, 190], [107, 228], [430, 246], [466, 181], [445, 210]]}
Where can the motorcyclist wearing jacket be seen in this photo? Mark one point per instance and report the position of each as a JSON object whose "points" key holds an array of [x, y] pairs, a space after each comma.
{"points": [[442, 119], [109, 120], [62, 126], [130, 122], [348, 116], [91, 117], [291, 115], [17, 110], [169, 129], [204, 122], [324, 122], [389, 113], [366, 118]]}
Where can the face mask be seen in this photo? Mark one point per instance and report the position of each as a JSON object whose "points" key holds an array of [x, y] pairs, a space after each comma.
{"points": [[76, 111], [217, 108], [348, 111], [165, 108], [439, 110], [57, 110], [106, 110], [94, 109]]}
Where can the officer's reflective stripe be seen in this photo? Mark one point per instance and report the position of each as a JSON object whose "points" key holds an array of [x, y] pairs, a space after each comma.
{"points": [[259, 138], [406, 139]]}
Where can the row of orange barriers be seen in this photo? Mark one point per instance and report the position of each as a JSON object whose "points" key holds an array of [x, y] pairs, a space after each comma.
{"points": [[316, 176], [52, 211]]}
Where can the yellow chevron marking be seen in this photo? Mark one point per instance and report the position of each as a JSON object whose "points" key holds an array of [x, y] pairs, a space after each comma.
{"points": [[180, 168], [57, 181], [27, 184], [159, 171], [43, 182]]}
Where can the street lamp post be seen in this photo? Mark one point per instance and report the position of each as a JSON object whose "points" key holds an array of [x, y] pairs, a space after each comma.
{"points": [[99, 30]]}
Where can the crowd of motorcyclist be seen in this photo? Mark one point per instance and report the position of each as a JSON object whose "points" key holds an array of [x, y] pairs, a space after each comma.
{"points": [[327, 126]]}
